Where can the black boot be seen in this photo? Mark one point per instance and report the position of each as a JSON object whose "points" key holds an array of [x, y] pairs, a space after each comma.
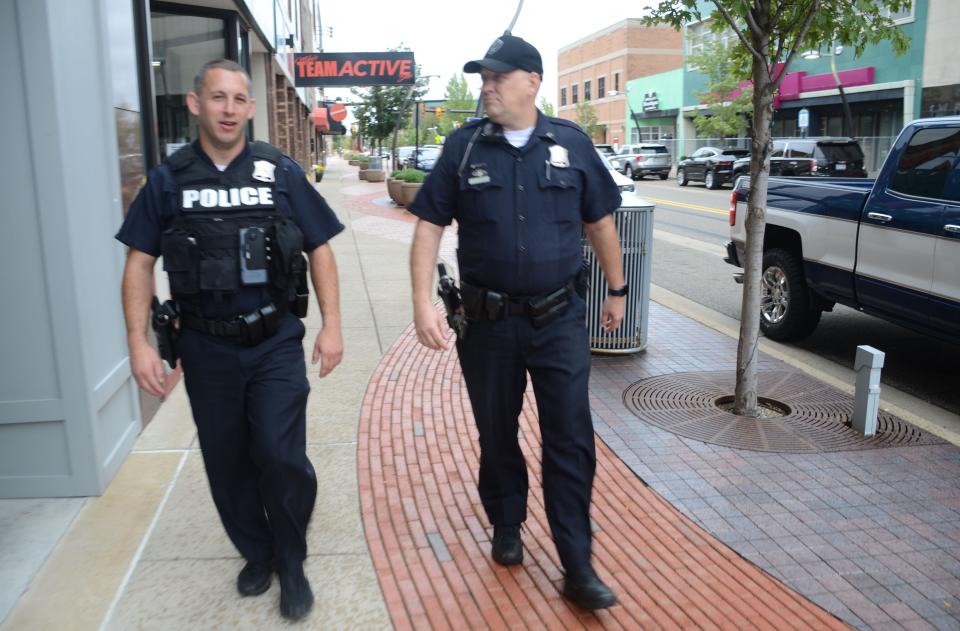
{"points": [[584, 588], [254, 578], [296, 598], [507, 548]]}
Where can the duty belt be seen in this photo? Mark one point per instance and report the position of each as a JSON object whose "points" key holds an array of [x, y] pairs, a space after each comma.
{"points": [[250, 329], [486, 304]]}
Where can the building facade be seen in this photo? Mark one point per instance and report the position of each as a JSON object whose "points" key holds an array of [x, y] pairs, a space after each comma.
{"points": [[884, 91], [97, 98], [596, 69]]}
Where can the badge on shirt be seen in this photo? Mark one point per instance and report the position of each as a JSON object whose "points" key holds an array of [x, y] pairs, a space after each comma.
{"points": [[478, 175], [263, 171], [559, 157]]}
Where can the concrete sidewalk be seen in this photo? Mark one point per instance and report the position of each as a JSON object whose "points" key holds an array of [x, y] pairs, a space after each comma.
{"points": [[691, 533]]}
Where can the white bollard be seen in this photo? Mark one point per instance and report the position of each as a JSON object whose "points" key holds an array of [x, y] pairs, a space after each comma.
{"points": [[868, 363]]}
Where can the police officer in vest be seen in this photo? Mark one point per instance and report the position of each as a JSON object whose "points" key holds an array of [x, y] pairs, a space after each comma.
{"points": [[232, 221], [521, 186]]}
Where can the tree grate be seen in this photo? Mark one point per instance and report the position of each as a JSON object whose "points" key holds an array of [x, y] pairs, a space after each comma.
{"points": [[817, 418]]}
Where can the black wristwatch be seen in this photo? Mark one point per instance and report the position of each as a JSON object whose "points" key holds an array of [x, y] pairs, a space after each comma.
{"points": [[618, 292]]}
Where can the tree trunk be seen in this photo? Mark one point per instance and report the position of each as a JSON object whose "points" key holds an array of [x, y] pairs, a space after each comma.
{"points": [[745, 396]]}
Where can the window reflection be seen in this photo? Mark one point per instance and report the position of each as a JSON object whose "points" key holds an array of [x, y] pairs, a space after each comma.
{"points": [[181, 45]]}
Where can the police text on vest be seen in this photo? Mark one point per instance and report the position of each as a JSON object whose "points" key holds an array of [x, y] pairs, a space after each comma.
{"points": [[227, 198]]}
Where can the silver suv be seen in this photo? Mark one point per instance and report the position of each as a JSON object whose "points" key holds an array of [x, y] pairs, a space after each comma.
{"points": [[635, 161]]}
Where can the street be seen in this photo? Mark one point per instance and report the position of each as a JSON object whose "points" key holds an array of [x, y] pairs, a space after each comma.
{"points": [[691, 226]]}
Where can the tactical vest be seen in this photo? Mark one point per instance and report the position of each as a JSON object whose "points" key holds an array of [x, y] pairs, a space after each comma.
{"points": [[228, 232]]}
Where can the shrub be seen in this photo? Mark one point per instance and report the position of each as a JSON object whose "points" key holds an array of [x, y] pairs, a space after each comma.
{"points": [[413, 176], [396, 174]]}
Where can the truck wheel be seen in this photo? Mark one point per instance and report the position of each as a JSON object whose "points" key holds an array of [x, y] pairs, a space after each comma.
{"points": [[785, 310], [681, 177], [628, 171], [664, 176], [710, 180]]}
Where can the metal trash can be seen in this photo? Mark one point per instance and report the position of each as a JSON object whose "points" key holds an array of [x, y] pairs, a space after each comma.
{"points": [[634, 221], [375, 164]]}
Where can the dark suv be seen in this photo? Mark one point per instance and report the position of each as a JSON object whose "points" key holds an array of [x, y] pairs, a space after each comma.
{"points": [[711, 165], [824, 157]]}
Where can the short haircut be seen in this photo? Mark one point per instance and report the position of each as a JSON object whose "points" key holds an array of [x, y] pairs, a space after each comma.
{"points": [[222, 64]]}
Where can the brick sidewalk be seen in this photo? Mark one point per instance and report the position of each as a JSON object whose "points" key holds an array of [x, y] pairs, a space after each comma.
{"points": [[429, 541]]}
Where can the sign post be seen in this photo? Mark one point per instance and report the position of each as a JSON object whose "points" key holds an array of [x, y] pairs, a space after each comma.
{"points": [[803, 121]]}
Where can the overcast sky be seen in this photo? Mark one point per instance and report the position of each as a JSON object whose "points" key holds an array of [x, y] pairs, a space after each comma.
{"points": [[444, 35]]}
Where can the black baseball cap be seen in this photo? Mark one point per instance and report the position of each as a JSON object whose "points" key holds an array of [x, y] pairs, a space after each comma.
{"points": [[508, 53]]}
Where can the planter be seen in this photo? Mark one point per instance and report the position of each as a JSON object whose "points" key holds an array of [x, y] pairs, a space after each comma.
{"points": [[362, 173], [395, 189], [409, 192], [375, 175], [353, 163]]}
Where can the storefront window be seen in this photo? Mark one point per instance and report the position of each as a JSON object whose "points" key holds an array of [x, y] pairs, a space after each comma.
{"points": [[181, 45]]}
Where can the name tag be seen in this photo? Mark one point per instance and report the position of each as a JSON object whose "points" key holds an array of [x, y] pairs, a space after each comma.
{"points": [[480, 179]]}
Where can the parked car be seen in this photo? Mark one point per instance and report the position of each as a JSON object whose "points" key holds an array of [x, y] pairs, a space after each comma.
{"points": [[402, 154], [889, 247], [424, 159], [741, 166], [711, 165], [822, 157], [635, 161], [625, 184], [606, 150]]}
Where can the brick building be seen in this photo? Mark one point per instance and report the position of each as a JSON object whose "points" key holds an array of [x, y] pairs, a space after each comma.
{"points": [[596, 69]]}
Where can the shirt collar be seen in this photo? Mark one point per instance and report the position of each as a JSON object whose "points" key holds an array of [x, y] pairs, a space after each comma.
{"points": [[237, 160]]}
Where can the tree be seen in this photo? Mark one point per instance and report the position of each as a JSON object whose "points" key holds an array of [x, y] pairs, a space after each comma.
{"points": [[457, 96], [727, 107], [546, 106], [770, 34], [382, 107], [587, 119]]}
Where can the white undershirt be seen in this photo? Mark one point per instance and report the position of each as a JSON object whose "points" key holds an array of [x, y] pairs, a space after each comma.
{"points": [[221, 167], [518, 137]]}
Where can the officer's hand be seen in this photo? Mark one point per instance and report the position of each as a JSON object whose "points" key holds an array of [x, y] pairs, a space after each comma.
{"points": [[147, 368], [432, 329], [328, 349], [612, 314]]}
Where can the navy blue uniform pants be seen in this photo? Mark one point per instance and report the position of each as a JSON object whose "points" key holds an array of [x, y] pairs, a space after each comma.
{"points": [[249, 404], [495, 358]]}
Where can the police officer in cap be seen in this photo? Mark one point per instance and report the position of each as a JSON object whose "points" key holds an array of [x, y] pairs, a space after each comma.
{"points": [[232, 221], [522, 186]]}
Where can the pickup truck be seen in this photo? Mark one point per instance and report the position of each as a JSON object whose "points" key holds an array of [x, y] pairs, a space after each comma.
{"points": [[889, 247], [635, 161]]}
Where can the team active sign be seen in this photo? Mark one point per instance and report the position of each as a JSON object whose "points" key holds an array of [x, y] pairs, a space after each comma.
{"points": [[350, 69]]}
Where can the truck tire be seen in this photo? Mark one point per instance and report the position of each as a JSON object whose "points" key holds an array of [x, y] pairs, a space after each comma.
{"points": [[664, 176], [682, 177], [786, 312]]}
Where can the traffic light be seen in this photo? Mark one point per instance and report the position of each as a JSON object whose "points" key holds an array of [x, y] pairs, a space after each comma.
{"points": [[438, 111]]}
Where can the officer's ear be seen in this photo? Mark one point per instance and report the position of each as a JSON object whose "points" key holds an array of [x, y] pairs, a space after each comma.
{"points": [[253, 108], [193, 103], [535, 80]]}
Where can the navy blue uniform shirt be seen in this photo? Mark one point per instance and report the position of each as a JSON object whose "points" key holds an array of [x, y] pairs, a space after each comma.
{"points": [[155, 207], [519, 218]]}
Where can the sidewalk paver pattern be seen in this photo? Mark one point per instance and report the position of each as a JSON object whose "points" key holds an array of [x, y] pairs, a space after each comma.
{"points": [[417, 458], [871, 535]]}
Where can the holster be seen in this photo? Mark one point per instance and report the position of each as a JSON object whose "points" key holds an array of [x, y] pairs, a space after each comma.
{"points": [[164, 318]]}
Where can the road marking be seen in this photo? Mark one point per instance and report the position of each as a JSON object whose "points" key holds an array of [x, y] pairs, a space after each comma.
{"points": [[688, 242], [667, 202]]}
